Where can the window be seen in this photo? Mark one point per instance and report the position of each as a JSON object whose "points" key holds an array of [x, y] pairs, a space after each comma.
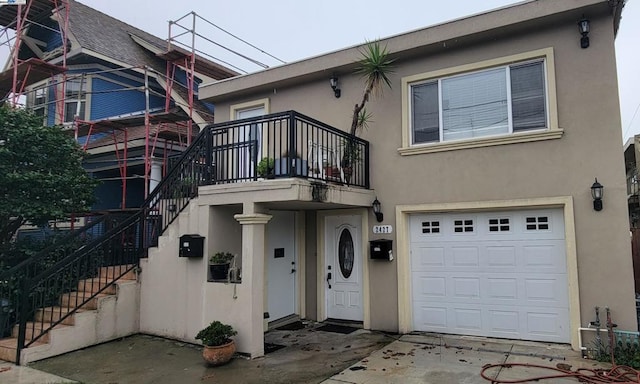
{"points": [[430, 227], [496, 101], [539, 223], [499, 225], [462, 226], [75, 93], [39, 103]]}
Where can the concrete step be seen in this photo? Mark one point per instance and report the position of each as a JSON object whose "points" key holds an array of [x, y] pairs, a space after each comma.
{"points": [[35, 329], [9, 346], [113, 271], [72, 299], [94, 285], [53, 314]]}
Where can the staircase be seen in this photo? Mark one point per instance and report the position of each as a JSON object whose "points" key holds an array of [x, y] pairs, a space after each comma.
{"points": [[104, 316]]}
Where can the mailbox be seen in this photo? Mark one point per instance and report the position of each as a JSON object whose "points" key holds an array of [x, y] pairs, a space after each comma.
{"points": [[381, 249], [191, 246]]}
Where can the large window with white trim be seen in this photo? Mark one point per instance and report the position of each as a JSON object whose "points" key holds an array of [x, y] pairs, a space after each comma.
{"points": [[496, 101]]}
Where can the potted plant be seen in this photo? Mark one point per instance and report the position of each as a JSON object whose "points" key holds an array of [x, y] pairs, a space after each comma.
{"points": [[266, 168], [218, 345], [219, 265]]}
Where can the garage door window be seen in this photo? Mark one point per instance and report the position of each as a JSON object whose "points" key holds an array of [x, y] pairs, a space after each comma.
{"points": [[430, 227], [538, 223], [499, 225], [463, 226]]}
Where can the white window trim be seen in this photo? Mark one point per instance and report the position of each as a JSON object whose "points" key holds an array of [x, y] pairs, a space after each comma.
{"points": [[553, 131], [254, 104]]}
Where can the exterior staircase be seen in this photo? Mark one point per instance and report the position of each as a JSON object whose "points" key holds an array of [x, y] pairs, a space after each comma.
{"points": [[109, 315]]}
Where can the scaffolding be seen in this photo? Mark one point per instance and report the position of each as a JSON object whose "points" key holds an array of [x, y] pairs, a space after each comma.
{"points": [[165, 130]]}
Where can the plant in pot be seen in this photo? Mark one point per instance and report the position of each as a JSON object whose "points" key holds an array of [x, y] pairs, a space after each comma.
{"points": [[219, 265], [218, 345], [266, 168]]}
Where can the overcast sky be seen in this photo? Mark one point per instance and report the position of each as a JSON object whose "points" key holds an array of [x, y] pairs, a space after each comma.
{"points": [[296, 29]]}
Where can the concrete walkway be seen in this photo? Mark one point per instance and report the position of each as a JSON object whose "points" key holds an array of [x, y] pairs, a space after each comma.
{"points": [[307, 356], [434, 359]]}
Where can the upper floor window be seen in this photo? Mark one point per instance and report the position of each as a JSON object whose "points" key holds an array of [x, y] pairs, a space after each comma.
{"points": [[75, 99], [495, 101], [39, 104]]}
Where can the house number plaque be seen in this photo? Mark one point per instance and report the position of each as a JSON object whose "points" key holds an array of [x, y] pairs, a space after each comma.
{"points": [[382, 229]]}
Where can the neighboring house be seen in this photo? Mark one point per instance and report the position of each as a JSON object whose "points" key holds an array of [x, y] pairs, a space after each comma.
{"points": [[100, 95], [632, 163], [482, 155]]}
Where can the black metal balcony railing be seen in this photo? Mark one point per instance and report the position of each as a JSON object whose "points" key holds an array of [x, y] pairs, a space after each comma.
{"points": [[279, 145]]}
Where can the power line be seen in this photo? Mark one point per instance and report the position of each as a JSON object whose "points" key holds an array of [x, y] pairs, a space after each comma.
{"points": [[630, 122]]}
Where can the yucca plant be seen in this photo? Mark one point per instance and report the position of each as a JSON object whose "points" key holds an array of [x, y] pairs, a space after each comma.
{"points": [[374, 67]]}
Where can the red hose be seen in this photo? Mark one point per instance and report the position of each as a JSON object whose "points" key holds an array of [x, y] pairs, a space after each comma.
{"points": [[617, 374]]}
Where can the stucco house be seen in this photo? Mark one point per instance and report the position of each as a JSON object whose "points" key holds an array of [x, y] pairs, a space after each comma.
{"points": [[481, 157]]}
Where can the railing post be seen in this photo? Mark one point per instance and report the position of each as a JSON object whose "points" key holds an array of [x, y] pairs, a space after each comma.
{"points": [[208, 156], [293, 143], [366, 165], [22, 314]]}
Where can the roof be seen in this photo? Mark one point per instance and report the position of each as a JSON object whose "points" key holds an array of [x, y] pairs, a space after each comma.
{"points": [[517, 18], [100, 33]]}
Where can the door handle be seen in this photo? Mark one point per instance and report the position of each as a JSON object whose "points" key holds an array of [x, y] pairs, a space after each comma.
{"points": [[329, 279], [293, 267]]}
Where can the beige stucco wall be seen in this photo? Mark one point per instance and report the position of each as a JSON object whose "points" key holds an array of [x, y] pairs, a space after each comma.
{"points": [[588, 112]]}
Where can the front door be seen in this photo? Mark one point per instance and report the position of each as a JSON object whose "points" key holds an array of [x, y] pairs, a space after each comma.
{"points": [[281, 265], [343, 267], [250, 146]]}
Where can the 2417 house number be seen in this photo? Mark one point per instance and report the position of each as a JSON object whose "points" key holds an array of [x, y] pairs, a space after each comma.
{"points": [[382, 229]]}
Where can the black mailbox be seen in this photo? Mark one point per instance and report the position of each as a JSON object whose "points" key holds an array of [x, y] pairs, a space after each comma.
{"points": [[191, 246], [381, 249]]}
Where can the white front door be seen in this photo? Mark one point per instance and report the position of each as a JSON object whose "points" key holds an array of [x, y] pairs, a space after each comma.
{"points": [[343, 267], [281, 265], [250, 137]]}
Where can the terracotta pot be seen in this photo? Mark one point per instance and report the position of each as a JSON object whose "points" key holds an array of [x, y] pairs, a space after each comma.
{"points": [[220, 354]]}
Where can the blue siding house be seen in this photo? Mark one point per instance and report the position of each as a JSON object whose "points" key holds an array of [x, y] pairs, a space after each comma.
{"points": [[114, 76]]}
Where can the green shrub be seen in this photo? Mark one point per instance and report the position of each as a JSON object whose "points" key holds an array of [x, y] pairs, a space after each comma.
{"points": [[216, 334]]}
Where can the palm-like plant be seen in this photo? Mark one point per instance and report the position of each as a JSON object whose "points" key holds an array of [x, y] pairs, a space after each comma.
{"points": [[375, 66]]}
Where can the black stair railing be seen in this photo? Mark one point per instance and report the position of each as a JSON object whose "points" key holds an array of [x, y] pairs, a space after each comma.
{"points": [[51, 297], [13, 280], [280, 145]]}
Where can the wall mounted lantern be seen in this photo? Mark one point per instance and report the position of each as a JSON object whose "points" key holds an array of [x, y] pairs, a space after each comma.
{"points": [[597, 191], [334, 85], [377, 210], [584, 26]]}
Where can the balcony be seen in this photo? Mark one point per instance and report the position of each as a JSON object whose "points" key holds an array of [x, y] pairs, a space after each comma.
{"points": [[275, 146]]}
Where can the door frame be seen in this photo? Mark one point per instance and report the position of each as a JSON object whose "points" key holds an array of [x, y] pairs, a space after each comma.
{"points": [[403, 212], [321, 261]]}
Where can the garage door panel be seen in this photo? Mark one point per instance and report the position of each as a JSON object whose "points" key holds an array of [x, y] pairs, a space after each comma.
{"points": [[494, 288], [497, 274]]}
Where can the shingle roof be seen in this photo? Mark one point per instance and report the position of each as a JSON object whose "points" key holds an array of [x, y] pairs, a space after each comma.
{"points": [[111, 37]]}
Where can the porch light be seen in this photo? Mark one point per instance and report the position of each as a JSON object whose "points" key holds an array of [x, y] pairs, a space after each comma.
{"points": [[377, 210], [334, 85], [597, 191], [584, 27]]}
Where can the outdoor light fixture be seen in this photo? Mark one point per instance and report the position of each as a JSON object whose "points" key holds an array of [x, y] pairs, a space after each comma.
{"points": [[334, 85], [583, 26], [596, 193], [377, 211]]}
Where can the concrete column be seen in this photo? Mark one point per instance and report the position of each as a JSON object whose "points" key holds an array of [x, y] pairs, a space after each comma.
{"points": [[253, 268], [156, 174]]}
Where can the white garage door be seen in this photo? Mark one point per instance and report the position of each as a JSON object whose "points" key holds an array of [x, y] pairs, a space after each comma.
{"points": [[497, 274]]}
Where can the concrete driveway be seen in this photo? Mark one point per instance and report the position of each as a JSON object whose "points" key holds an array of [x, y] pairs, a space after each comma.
{"points": [[436, 359], [306, 356]]}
